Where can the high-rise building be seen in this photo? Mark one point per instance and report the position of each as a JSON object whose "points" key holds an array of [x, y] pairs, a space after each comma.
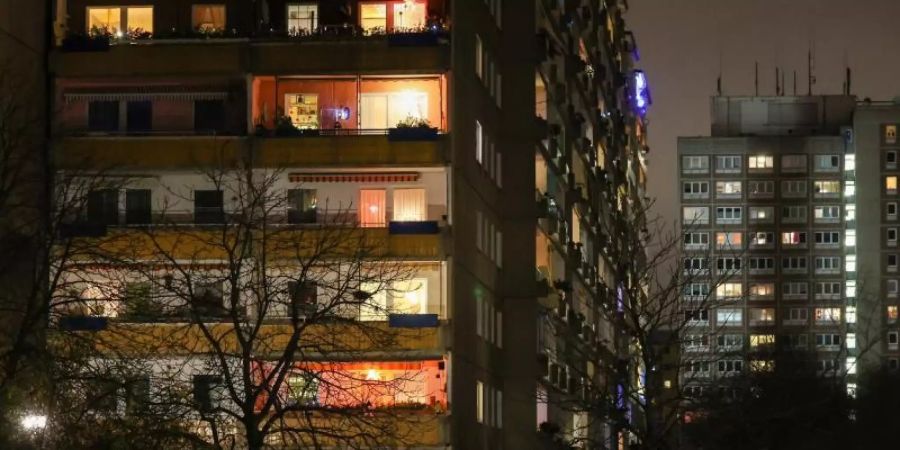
{"points": [[769, 213], [875, 142], [432, 124]]}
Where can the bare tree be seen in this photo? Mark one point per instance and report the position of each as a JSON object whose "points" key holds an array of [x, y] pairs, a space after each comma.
{"points": [[251, 331]]}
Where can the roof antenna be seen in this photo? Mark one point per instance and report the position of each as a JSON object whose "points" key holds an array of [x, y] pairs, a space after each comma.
{"points": [[777, 83], [719, 79], [783, 86], [795, 83], [846, 74], [756, 78], [810, 67]]}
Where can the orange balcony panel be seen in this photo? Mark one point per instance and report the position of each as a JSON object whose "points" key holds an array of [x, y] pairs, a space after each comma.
{"points": [[191, 243], [149, 152], [376, 339], [348, 151]]}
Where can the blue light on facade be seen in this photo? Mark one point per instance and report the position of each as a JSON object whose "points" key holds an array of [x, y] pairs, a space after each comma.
{"points": [[641, 92]]}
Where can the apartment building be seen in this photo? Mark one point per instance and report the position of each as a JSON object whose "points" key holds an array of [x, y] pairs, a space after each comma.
{"points": [[771, 237], [412, 120], [875, 142]]}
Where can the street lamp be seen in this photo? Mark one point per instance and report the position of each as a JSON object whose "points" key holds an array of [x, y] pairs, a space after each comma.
{"points": [[33, 422]]}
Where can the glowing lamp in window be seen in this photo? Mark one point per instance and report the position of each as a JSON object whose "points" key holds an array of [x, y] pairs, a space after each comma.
{"points": [[411, 297], [372, 207]]}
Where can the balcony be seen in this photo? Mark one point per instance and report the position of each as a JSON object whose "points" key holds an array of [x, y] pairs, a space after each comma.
{"points": [[412, 428], [349, 149], [176, 337], [414, 52], [150, 152], [194, 243]]}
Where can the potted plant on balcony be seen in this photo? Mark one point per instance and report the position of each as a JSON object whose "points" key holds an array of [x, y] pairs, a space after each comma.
{"points": [[413, 129]]}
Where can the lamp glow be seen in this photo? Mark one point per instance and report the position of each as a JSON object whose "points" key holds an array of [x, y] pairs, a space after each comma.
{"points": [[641, 92], [373, 375], [33, 422]]}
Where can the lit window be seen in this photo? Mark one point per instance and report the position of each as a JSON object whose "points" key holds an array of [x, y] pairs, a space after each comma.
{"points": [[850, 238], [372, 207], [890, 134], [850, 263], [849, 188], [408, 15], [827, 187], [729, 290], [104, 20], [758, 340], [138, 20], [409, 205], [695, 215], [793, 238], [850, 340], [890, 184], [892, 313], [762, 289], [849, 162], [479, 142], [373, 18], [828, 315], [729, 316], [208, 18], [303, 110], [851, 315], [760, 162], [728, 240], [389, 110], [762, 315], [480, 404], [728, 188], [410, 297], [302, 19]]}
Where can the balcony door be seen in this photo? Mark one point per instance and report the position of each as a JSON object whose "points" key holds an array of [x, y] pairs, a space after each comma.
{"points": [[409, 205], [372, 207], [380, 111]]}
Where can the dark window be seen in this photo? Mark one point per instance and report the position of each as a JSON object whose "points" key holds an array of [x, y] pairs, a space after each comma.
{"points": [[208, 207], [208, 299], [104, 395], [137, 206], [103, 207], [103, 116], [139, 116], [209, 115], [301, 206], [891, 157], [137, 395], [303, 297], [139, 303], [205, 387]]}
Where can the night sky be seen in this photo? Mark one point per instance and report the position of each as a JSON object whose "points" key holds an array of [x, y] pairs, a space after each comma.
{"points": [[681, 41]]}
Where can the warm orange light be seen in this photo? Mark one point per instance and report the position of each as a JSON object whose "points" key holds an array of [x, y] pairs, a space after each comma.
{"points": [[373, 375]]}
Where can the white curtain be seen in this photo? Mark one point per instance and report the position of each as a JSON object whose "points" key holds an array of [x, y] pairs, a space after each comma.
{"points": [[410, 297], [372, 207], [409, 205], [373, 111]]}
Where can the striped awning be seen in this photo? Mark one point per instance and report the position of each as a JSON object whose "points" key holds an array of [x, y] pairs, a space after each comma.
{"points": [[390, 177], [145, 93]]}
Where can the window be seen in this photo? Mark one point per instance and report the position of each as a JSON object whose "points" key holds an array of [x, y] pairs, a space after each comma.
{"points": [[797, 316], [729, 240], [893, 287], [850, 288], [303, 296], [410, 296], [729, 341], [892, 263], [891, 211], [793, 188], [728, 164], [828, 238], [850, 263], [137, 206], [828, 290], [729, 291], [762, 189], [696, 342], [890, 184], [695, 215], [208, 18], [730, 367], [208, 207], [760, 162], [762, 238], [480, 403], [828, 163], [795, 290], [139, 116], [303, 110], [302, 206], [302, 19], [892, 314], [827, 365], [729, 316], [696, 264], [849, 162], [103, 207], [696, 291], [762, 290], [890, 159], [827, 214], [138, 20], [372, 207], [728, 264], [849, 189], [891, 235], [826, 188], [728, 189], [761, 264], [795, 341], [479, 57], [793, 214], [208, 298], [828, 264], [696, 240], [762, 214], [479, 142], [762, 316], [793, 238], [728, 214], [103, 116], [794, 263], [850, 212], [209, 115], [697, 316], [696, 189], [697, 368], [761, 340], [695, 164], [409, 205], [850, 238], [303, 389], [892, 340], [828, 315], [890, 134], [828, 341], [793, 163], [388, 110]]}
